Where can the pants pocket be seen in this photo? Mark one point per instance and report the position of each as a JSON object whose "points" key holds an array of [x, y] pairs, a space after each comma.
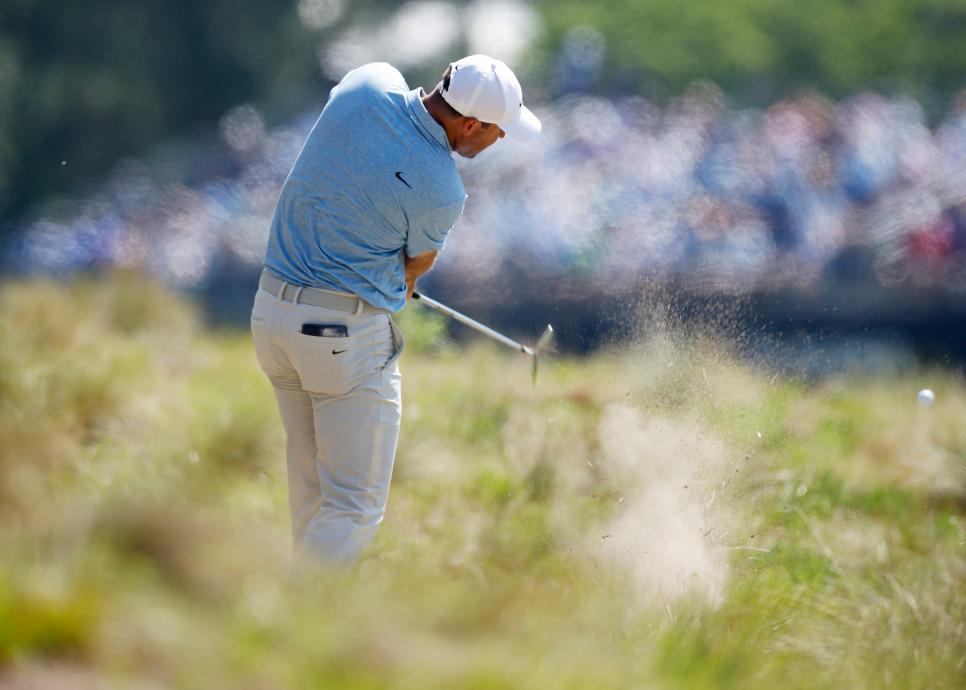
{"points": [[334, 366], [398, 342]]}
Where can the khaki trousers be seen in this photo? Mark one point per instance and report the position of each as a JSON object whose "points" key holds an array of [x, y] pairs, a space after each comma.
{"points": [[340, 400]]}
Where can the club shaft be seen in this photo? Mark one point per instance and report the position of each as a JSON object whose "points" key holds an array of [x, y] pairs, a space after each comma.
{"points": [[475, 325]]}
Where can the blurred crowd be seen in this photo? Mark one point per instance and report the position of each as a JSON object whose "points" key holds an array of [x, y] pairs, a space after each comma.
{"points": [[804, 194]]}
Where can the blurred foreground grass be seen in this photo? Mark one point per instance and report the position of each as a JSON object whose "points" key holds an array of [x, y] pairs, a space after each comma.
{"points": [[656, 516]]}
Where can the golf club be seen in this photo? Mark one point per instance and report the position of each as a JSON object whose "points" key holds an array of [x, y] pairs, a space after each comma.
{"points": [[534, 353]]}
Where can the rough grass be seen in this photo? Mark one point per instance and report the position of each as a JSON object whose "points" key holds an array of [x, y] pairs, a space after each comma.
{"points": [[656, 516]]}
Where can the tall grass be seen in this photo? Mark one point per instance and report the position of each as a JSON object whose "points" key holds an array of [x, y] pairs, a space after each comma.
{"points": [[659, 515]]}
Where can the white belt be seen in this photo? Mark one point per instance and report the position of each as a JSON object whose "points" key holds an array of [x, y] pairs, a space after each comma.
{"points": [[317, 297]]}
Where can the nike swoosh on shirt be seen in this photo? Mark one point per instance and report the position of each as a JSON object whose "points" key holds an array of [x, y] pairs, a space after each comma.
{"points": [[337, 352], [399, 175]]}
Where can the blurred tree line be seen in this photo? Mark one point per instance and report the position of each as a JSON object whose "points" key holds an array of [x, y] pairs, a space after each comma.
{"points": [[761, 50], [83, 84]]}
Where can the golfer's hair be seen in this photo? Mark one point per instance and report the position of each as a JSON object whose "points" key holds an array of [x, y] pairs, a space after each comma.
{"points": [[444, 86]]}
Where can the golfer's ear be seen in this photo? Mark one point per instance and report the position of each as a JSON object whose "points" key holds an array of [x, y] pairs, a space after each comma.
{"points": [[470, 125]]}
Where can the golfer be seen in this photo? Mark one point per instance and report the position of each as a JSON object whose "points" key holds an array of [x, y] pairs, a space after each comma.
{"points": [[363, 213]]}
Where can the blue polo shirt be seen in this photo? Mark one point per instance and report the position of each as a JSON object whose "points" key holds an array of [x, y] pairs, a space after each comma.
{"points": [[375, 178]]}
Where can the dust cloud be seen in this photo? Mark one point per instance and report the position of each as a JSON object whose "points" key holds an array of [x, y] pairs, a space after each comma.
{"points": [[671, 512]]}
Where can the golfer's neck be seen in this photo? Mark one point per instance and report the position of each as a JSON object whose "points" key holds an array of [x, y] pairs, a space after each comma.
{"points": [[433, 107]]}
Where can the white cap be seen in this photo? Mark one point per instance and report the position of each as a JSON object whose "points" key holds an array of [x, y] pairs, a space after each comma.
{"points": [[485, 88]]}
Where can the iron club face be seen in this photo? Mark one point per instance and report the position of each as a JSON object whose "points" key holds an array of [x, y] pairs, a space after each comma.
{"points": [[543, 344]]}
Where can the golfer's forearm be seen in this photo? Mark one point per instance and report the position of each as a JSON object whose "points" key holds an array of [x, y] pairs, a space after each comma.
{"points": [[416, 266]]}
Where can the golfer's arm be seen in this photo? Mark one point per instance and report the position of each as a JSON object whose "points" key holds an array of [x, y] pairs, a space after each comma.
{"points": [[415, 267]]}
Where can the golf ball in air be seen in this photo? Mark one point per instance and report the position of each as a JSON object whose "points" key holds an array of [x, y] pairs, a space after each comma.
{"points": [[926, 397]]}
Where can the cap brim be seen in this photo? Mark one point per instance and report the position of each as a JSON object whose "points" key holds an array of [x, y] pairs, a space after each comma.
{"points": [[527, 126]]}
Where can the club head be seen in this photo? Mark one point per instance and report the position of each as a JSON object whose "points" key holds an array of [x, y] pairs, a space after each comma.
{"points": [[543, 344], [545, 340]]}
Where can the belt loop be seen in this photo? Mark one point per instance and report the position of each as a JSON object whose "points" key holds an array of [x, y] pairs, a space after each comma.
{"points": [[361, 307], [280, 296], [298, 292]]}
